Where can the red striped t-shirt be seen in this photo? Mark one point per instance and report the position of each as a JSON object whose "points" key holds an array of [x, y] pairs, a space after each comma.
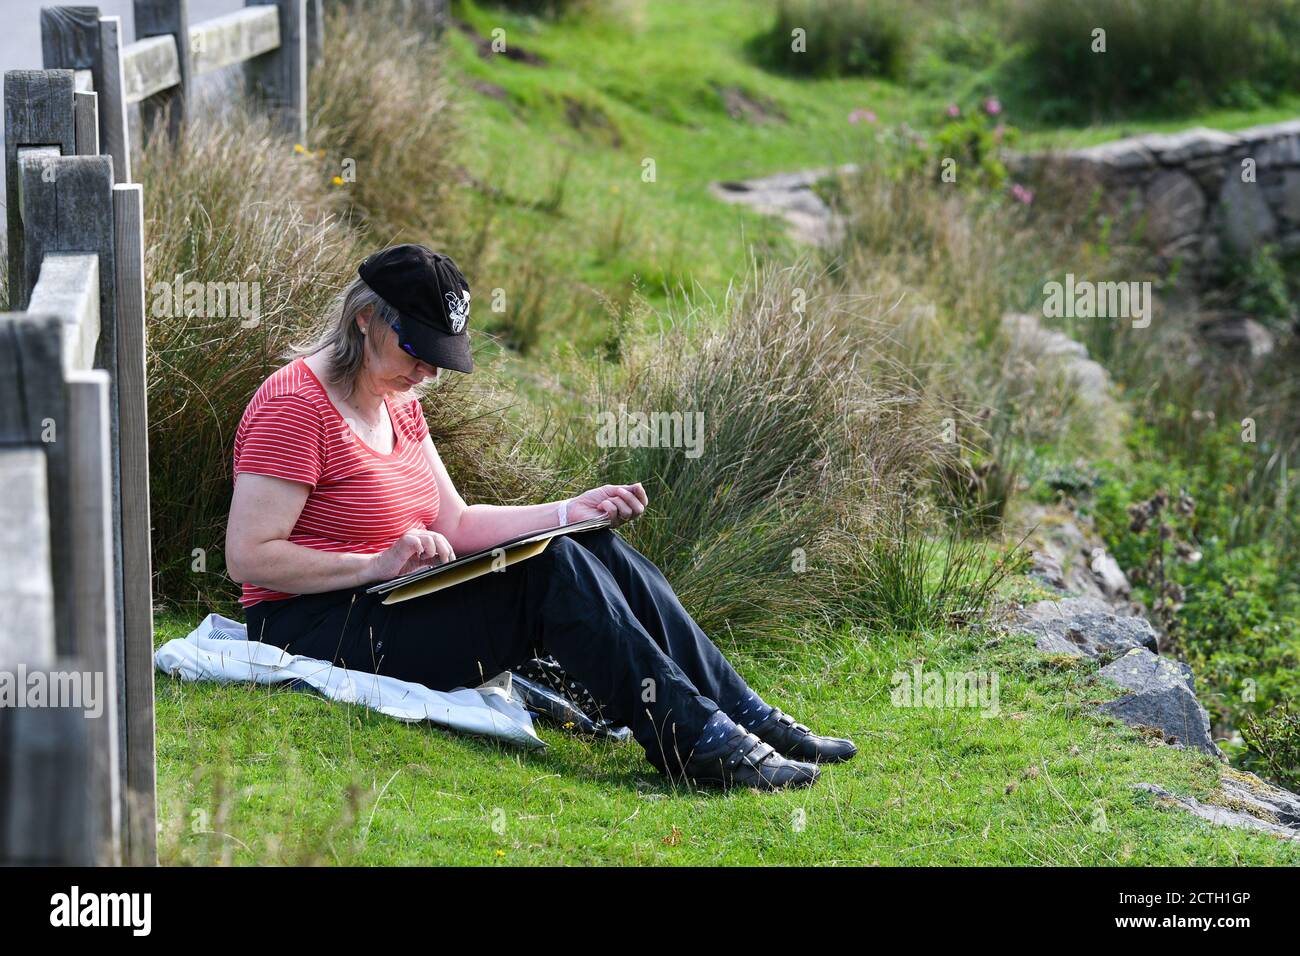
{"points": [[360, 501]]}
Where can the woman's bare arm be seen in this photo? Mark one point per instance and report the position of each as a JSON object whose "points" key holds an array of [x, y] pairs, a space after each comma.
{"points": [[263, 513], [472, 528]]}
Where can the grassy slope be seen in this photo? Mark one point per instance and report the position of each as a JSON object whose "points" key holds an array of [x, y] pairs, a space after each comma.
{"points": [[652, 78], [1040, 783], [300, 780], [673, 233]]}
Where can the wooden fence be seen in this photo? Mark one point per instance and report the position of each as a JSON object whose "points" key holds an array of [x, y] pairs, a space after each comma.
{"points": [[75, 575]]}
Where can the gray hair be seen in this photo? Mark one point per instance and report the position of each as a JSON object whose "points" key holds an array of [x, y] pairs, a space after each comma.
{"points": [[341, 339]]}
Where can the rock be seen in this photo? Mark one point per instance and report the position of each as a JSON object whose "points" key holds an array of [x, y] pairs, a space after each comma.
{"points": [[1175, 207], [1209, 174], [1270, 132], [1109, 576], [1037, 345], [1280, 147], [1244, 802], [1070, 558], [1176, 148], [1230, 331], [1085, 627], [1047, 569], [1126, 154], [790, 195], [1243, 215], [1162, 696], [1290, 207], [1262, 797]]}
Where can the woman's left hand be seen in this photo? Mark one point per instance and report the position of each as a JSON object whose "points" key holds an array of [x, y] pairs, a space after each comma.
{"points": [[619, 502]]}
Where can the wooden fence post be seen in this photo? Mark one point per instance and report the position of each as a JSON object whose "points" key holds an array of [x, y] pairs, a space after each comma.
{"points": [[79, 39], [280, 76], [67, 206], [315, 33], [114, 134], [26, 589], [137, 573], [91, 511], [45, 808], [69, 37], [34, 411], [86, 116], [155, 18], [45, 815], [38, 111]]}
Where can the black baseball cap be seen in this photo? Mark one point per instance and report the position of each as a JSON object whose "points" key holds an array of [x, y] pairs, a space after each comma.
{"points": [[431, 298]]}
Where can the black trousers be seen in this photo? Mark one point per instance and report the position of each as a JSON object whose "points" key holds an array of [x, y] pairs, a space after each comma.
{"points": [[590, 600]]}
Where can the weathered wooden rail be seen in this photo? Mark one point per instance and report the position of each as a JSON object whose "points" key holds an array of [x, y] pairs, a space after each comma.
{"points": [[74, 570], [276, 38], [75, 574]]}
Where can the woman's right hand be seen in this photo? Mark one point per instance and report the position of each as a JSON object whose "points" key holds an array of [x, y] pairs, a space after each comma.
{"points": [[416, 549]]}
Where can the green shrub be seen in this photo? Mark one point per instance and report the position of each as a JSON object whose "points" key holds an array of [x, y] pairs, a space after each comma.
{"points": [[965, 149], [803, 447], [1263, 284], [1273, 739], [839, 38], [1162, 54], [1223, 590], [946, 265]]}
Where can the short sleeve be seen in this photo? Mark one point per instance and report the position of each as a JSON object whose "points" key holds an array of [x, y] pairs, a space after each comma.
{"points": [[283, 437], [417, 427]]}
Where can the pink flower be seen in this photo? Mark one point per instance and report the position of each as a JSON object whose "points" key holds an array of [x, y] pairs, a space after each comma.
{"points": [[860, 115], [953, 110], [1022, 193], [998, 132], [992, 106]]}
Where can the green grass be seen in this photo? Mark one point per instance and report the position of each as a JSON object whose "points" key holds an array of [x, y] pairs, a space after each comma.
{"points": [[652, 76], [1073, 137], [1042, 783]]}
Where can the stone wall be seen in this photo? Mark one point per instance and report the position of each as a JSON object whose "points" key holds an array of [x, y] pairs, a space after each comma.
{"points": [[1201, 193]]}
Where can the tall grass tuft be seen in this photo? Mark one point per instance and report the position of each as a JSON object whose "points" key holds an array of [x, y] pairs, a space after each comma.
{"points": [[910, 579], [382, 112], [798, 448], [941, 271], [1163, 54], [841, 38]]}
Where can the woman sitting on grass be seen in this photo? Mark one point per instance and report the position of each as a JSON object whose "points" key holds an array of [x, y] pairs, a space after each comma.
{"points": [[338, 486]]}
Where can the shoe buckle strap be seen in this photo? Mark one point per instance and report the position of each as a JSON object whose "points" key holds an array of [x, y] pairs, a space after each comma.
{"points": [[789, 721]]}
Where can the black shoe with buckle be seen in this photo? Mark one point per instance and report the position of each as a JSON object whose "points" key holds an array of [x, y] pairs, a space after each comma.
{"points": [[797, 742], [748, 762]]}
